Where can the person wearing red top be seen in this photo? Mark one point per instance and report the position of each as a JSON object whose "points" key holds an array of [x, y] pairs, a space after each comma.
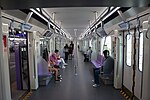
{"points": [[57, 60]]}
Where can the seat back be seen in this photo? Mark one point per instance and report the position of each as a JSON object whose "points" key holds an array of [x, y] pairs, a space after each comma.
{"points": [[42, 66]]}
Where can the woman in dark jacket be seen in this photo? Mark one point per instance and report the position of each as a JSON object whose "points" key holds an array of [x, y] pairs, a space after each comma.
{"points": [[66, 51], [71, 48]]}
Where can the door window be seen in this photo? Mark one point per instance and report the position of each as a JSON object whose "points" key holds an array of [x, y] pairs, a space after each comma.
{"points": [[141, 52], [129, 50]]}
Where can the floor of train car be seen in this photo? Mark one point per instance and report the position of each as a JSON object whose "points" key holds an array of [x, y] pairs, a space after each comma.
{"points": [[16, 93], [76, 87]]}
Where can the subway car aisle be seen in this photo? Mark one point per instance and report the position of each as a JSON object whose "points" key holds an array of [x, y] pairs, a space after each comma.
{"points": [[76, 87]]}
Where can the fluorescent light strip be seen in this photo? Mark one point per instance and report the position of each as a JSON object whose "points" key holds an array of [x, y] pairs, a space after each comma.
{"points": [[111, 13], [45, 19], [102, 14], [5, 24], [85, 32], [65, 33], [145, 21], [38, 9], [16, 39], [46, 14], [103, 19], [39, 14]]}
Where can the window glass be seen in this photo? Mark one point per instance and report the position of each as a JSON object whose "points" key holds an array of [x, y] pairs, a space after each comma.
{"points": [[102, 44], [129, 50], [90, 43], [141, 52], [108, 44]]}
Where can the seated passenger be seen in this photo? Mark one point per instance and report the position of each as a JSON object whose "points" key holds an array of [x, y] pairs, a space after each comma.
{"points": [[52, 69], [56, 60], [108, 65], [87, 55], [107, 68], [60, 59]]}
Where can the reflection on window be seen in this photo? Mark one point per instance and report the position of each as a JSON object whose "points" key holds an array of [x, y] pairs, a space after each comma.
{"points": [[90, 44], [129, 50], [107, 45], [141, 52], [102, 44]]}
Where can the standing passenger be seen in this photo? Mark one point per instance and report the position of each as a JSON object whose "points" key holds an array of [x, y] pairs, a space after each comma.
{"points": [[71, 48], [66, 51]]}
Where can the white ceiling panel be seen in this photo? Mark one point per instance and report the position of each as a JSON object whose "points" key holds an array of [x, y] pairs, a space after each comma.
{"points": [[75, 17]]}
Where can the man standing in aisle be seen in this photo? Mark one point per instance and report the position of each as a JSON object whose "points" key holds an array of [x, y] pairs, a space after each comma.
{"points": [[71, 48]]}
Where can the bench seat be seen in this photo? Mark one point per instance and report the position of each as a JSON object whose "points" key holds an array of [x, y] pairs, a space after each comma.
{"points": [[107, 79], [44, 76]]}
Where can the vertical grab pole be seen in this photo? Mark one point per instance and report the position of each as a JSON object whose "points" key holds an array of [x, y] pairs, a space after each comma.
{"points": [[76, 55], [134, 66]]}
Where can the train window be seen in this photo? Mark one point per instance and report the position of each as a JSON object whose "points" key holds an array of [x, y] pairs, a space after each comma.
{"points": [[90, 43], [129, 50], [102, 44], [141, 52], [108, 43]]}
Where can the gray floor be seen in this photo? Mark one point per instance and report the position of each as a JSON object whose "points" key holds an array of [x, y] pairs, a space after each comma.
{"points": [[76, 87]]}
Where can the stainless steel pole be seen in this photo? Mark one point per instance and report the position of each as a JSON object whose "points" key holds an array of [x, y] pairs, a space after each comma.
{"points": [[76, 53]]}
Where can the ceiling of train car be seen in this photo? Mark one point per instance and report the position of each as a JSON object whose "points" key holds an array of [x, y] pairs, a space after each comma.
{"points": [[75, 18], [24, 4]]}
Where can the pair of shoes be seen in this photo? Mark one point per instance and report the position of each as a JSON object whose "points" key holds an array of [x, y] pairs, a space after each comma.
{"points": [[59, 77], [96, 85], [65, 64], [59, 80]]}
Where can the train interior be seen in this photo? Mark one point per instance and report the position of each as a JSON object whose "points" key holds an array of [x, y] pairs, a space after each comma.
{"points": [[31, 34]]}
